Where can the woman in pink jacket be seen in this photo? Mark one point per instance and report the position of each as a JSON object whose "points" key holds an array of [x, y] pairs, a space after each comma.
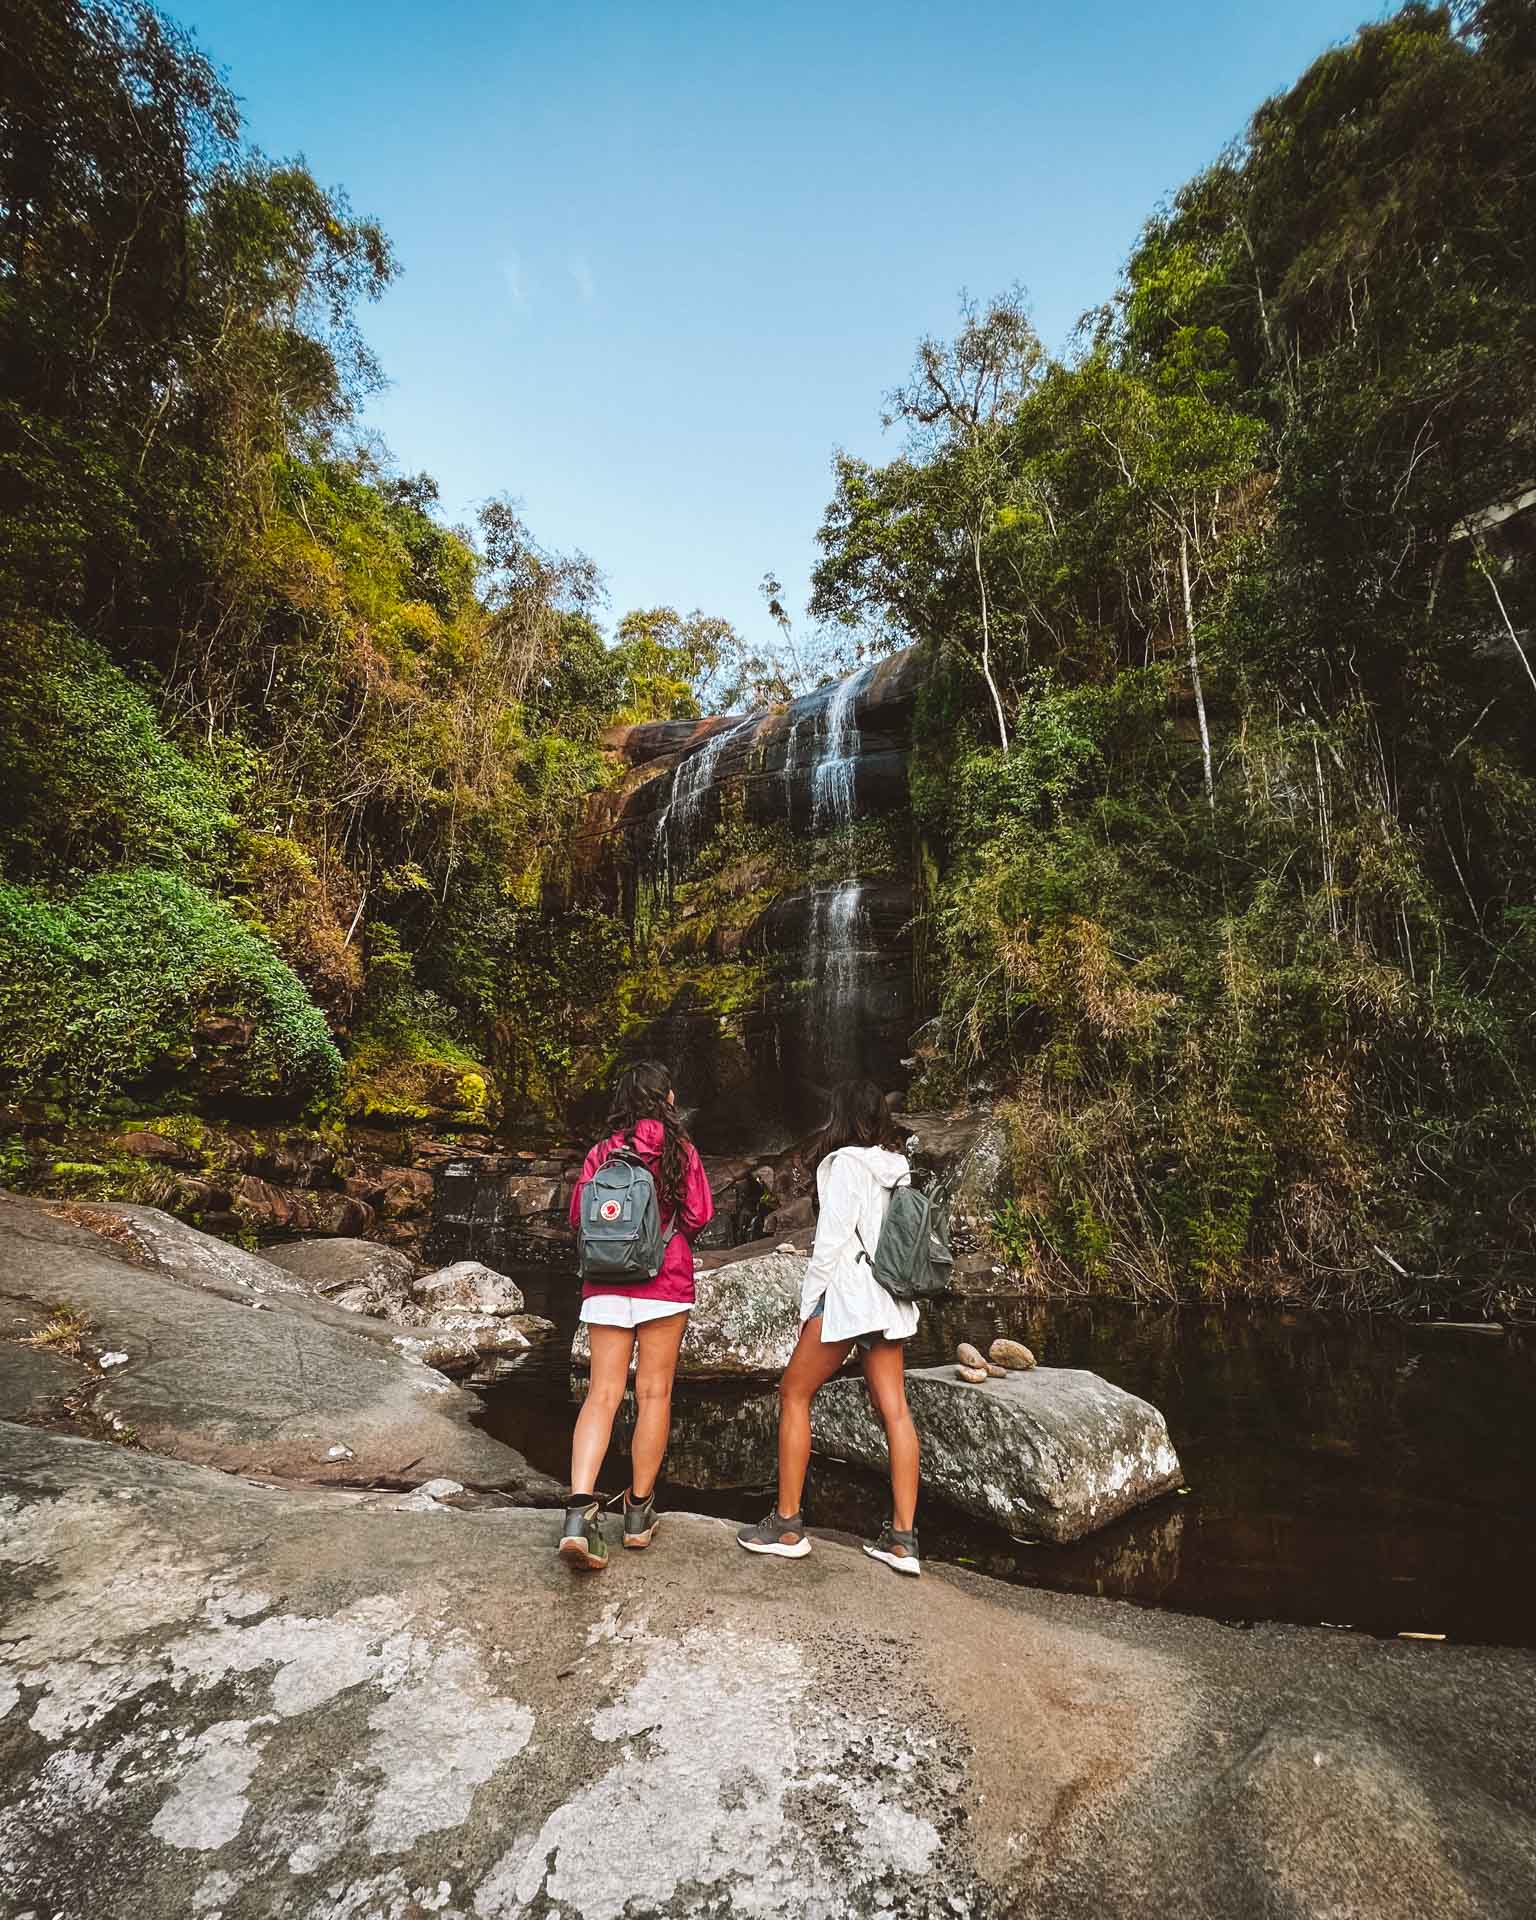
{"points": [[618, 1313]]}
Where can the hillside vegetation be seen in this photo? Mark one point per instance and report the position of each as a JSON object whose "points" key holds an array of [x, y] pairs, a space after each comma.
{"points": [[1228, 823], [1224, 810]]}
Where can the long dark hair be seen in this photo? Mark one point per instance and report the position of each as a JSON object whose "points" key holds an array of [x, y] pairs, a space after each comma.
{"points": [[859, 1116], [640, 1093]]}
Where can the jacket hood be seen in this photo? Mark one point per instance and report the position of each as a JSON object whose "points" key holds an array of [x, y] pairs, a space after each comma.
{"points": [[890, 1169]]}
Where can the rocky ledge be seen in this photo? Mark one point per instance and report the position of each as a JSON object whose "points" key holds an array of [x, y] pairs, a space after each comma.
{"points": [[125, 1322], [235, 1700]]}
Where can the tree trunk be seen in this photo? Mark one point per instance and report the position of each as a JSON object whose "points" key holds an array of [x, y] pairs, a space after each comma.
{"points": [[1194, 670], [986, 640]]}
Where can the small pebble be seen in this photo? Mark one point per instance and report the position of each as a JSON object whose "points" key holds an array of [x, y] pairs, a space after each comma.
{"points": [[113, 1360], [976, 1375], [339, 1453], [1011, 1355]]}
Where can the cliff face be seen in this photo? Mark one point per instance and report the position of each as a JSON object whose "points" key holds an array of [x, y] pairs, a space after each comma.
{"points": [[764, 863]]}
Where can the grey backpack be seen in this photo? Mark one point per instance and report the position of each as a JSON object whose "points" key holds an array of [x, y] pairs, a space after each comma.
{"points": [[620, 1236], [912, 1260]]}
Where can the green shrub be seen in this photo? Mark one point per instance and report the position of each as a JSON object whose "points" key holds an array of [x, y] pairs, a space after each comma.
{"points": [[87, 775], [101, 992]]}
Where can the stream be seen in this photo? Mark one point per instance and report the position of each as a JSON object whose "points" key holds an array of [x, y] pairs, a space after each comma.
{"points": [[1342, 1470]]}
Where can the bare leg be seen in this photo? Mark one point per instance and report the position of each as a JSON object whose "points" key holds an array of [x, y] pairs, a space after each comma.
{"points": [[654, 1371], [885, 1377], [611, 1348], [811, 1366]]}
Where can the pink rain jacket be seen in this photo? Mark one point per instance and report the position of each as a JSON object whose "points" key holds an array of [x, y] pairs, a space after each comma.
{"points": [[675, 1280]]}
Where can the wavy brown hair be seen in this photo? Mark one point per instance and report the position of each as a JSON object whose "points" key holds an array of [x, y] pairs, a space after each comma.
{"points": [[859, 1116], [640, 1093]]}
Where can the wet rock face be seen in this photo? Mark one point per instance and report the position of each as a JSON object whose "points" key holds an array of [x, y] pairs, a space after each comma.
{"points": [[831, 988], [1051, 1454]]}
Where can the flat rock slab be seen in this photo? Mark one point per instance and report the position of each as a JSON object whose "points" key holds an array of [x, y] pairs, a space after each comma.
{"points": [[745, 1319], [1051, 1454], [35, 1380], [221, 1698], [222, 1372]]}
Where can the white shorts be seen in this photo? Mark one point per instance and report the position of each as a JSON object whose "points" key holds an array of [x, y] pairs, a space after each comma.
{"points": [[625, 1310]]}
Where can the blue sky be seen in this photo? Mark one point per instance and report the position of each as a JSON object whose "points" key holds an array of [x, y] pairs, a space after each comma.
{"points": [[661, 260]]}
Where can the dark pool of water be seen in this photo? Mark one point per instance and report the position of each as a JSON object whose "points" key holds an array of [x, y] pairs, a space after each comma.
{"points": [[1353, 1471]]}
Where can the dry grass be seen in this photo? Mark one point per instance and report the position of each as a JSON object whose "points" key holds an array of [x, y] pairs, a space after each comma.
{"points": [[63, 1332]]}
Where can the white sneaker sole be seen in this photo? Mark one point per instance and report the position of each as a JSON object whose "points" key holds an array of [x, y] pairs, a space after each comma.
{"points": [[797, 1552], [898, 1562]]}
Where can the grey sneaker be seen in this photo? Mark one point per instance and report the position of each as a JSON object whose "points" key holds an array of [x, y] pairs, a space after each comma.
{"points": [[897, 1550], [640, 1520], [779, 1533], [581, 1538]]}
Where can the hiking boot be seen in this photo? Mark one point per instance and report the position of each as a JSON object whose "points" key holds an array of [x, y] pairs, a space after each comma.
{"points": [[640, 1520], [898, 1550], [780, 1534], [581, 1538]]}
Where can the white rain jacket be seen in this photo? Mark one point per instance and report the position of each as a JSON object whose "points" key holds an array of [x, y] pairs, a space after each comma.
{"points": [[854, 1188]]}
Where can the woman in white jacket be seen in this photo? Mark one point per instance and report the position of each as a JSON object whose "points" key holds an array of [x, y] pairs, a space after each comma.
{"points": [[842, 1305]]}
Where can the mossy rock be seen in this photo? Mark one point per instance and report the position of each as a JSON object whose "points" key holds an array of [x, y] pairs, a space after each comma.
{"points": [[406, 1076]]}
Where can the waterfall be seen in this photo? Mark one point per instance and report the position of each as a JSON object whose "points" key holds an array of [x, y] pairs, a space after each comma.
{"points": [[792, 762], [832, 777], [837, 931], [691, 780]]}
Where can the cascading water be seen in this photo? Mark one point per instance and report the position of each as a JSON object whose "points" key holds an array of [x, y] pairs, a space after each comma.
{"points": [[832, 777], [691, 780], [836, 933]]}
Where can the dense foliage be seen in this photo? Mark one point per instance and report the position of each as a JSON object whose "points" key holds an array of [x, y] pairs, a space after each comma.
{"points": [[240, 647], [1229, 826], [1228, 749]]}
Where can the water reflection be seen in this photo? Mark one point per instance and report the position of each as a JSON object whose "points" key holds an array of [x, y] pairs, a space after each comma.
{"points": [[1352, 1471]]}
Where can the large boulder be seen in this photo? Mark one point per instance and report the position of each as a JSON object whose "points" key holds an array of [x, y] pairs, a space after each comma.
{"points": [[1050, 1455], [467, 1286], [358, 1274], [745, 1320], [236, 1699], [227, 1371]]}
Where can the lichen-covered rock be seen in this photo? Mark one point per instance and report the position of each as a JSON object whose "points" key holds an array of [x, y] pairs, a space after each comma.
{"points": [[219, 1697], [746, 1319], [467, 1286], [1051, 1454]]}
